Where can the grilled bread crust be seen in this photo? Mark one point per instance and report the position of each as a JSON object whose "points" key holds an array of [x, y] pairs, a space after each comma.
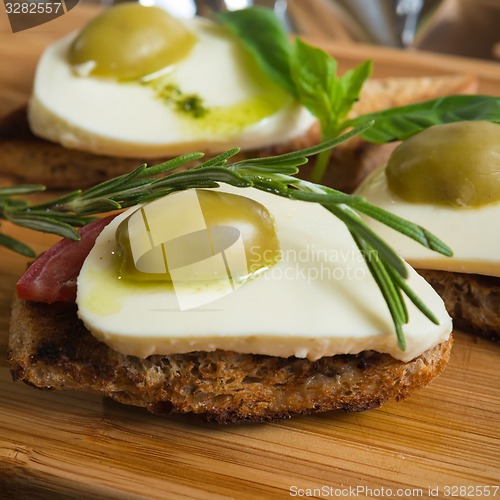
{"points": [[49, 348], [31, 159], [472, 300]]}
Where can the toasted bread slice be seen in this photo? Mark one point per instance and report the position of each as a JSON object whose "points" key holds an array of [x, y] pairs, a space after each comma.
{"points": [[31, 159], [50, 348], [387, 93], [472, 300]]}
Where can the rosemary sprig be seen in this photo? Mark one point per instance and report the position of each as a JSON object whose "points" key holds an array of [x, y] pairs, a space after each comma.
{"points": [[274, 174]]}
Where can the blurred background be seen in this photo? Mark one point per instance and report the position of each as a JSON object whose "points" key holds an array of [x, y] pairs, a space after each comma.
{"points": [[469, 28]]}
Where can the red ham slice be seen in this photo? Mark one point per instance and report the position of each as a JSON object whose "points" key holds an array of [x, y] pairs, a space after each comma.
{"points": [[52, 277]]}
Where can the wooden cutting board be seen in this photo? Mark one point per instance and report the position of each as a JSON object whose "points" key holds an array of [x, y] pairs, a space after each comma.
{"points": [[443, 441]]}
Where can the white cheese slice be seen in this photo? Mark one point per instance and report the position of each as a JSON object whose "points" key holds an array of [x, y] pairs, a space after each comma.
{"points": [[472, 233], [130, 120], [319, 300]]}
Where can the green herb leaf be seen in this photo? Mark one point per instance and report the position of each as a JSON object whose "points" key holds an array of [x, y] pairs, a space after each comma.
{"points": [[351, 83], [357, 226], [44, 224], [388, 287], [405, 121], [16, 246], [220, 159], [403, 284], [21, 189], [413, 231], [324, 94], [314, 76], [306, 72], [265, 37]]}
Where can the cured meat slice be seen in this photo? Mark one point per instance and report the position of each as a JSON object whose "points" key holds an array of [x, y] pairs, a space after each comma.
{"points": [[52, 277]]}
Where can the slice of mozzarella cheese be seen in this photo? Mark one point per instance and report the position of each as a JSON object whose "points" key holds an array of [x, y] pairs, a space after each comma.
{"points": [[130, 119], [472, 233], [318, 300]]}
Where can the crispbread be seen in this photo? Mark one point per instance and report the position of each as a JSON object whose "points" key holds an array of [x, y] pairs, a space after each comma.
{"points": [[472, 300], [387, 93], [32, 159], [50, 348]]}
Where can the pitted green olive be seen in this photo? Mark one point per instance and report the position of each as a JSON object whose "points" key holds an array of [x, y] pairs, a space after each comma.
{"points": [[238, 228], [129, 41], [454, 164]]}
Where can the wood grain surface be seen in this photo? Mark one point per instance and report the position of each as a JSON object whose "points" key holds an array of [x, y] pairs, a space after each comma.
{"points": [[67, 445]]}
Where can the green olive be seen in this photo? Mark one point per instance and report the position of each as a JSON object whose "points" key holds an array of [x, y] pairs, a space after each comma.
{"points": [[236, 229], [453, 164], [129, 41]]}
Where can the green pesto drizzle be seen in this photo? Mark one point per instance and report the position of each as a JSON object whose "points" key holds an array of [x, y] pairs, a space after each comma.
{"points": [[171, 94]]}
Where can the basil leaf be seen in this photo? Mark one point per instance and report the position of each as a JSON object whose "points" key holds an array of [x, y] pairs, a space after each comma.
{"points": [[314, 76], [351, 83], [405, 121], [265, 37], [307, 73], [325, 95]]}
